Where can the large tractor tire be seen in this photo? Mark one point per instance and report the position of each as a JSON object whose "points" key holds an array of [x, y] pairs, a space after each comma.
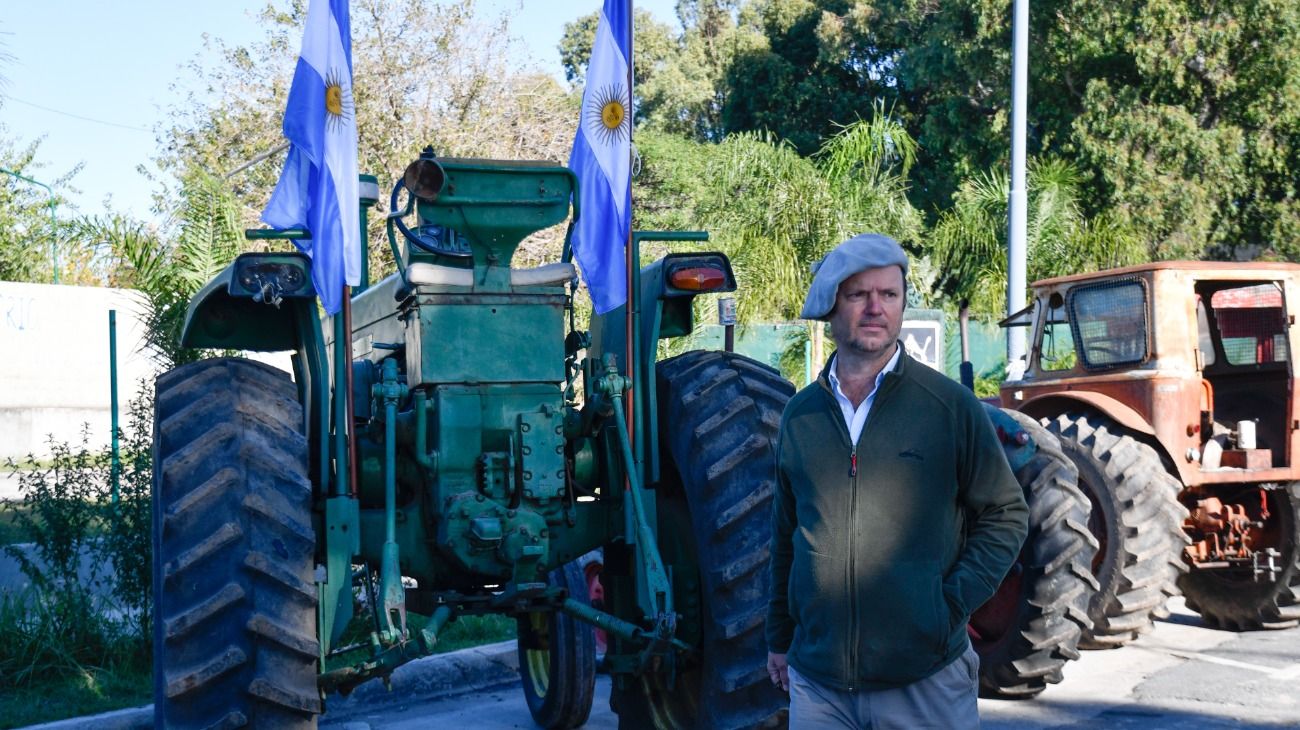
{"points": [[1137, 520], [1241, 602], [234, 602], [719, 416], [1031, 627], [557, 659]]}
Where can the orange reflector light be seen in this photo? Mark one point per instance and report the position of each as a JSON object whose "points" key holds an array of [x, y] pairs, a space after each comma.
{"points": [[698, 278]]}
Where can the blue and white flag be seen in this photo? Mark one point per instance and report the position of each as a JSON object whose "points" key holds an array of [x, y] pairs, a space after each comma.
{"points": [[601, 149], [318, 187]]}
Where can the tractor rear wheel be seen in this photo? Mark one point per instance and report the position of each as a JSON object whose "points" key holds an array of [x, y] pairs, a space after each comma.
{"points": [[1031, 627], [1240, 602], [719, 416], [234, 603], [1137, 520], [557, 658]]}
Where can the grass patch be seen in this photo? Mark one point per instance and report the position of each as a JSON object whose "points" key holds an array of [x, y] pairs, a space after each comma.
{"points": [[59, 658], [463, 633], [470, 631], [92, 692]]}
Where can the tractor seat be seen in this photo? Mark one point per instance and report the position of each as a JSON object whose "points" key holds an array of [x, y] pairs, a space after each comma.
{"points": [[548, 275]]}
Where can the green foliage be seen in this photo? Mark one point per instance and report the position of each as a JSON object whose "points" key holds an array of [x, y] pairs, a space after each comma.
{"points": [[680, 81], [88, 693], [26, 231], [811, 73], [167, 273], [468, 631], [426, 73], [460, 633], [87, 613], [968, 242], [776, 213], [989, 385], [1182, 119]]}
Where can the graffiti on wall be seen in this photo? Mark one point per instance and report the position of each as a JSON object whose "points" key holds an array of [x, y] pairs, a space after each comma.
{"points": [[17, 311]]}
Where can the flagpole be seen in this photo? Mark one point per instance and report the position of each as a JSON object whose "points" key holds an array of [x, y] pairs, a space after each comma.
{"points": [[346, 352], [632, 329]]}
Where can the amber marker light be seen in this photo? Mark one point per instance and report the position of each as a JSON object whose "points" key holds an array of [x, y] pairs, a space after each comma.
{"points": [[697, 278]]}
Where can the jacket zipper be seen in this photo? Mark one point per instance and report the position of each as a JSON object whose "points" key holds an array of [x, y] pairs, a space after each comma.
{"points": [[853, 510], [853, 552]]}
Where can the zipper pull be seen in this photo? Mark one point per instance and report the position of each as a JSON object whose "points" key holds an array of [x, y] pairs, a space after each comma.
{"points": [[853, 463]]}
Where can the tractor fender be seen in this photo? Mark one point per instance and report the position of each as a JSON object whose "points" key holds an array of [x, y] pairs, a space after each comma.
{"points": [[1047, 406], [260, 302]]}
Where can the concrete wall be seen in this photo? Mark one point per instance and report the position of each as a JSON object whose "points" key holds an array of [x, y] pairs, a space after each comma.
{"points": [[54, 365]]}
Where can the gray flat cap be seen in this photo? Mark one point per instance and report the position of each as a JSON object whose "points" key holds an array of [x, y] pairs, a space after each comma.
{"points": [[862, 252]]}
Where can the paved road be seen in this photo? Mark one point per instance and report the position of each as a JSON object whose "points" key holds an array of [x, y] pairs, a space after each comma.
{"points": [[1182, 676]]}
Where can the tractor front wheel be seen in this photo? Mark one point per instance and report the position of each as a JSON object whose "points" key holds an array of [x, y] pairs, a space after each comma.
{"points": [[1032, 626], [1137, 519], [1244, 601], [234, 602], [719, 415], [557, 659]]}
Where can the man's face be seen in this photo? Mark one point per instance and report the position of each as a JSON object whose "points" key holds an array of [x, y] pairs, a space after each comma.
{"points": [[868, 312]]}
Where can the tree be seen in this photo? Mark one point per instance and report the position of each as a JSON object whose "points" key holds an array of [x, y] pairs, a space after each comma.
{"points": [[680, 81], [168, 270], [809, 76], [424, 74], [1189, 119], [775, 212], [26, 232], [968, 242], [1182, 117]]}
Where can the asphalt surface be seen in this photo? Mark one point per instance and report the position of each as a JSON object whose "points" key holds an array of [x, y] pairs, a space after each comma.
{"points": [[1180, 676]]}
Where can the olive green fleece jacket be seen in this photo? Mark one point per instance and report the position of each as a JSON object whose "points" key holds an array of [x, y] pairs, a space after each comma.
{"points": [[881, 550]]}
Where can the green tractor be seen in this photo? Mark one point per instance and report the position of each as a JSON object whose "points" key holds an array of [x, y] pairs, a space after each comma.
{"points": [[306, 541], [491, 444]]}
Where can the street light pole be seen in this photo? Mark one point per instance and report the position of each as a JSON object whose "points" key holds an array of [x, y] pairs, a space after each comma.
{"points": [[1017, 199], [54, 227]]}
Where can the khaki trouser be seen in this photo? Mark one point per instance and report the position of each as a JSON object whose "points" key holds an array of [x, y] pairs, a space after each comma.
{"points": [[947, 699]]}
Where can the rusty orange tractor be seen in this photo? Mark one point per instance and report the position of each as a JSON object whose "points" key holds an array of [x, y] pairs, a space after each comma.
{"points": [[1172, 388]]}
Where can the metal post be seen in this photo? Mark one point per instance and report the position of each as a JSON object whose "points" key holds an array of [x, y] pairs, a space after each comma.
{"points": [[727, 318], [342, 364], [1017, 199], [369, 193], [632, 260], [807, 362], [54, 226], [967, 369], [116, 468]]}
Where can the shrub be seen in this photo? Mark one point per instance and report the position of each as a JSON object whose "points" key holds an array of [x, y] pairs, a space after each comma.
{"points": [[88, 607]]}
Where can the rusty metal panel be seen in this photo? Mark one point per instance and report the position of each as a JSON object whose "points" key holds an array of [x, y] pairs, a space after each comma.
{"points": [[1164, 395]]}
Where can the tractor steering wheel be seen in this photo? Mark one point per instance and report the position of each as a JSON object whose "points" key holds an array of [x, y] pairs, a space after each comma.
{"points": [[433, 238]]}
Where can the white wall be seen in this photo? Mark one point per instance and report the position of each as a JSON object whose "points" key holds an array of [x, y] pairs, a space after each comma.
{"points": [[54, 368]]}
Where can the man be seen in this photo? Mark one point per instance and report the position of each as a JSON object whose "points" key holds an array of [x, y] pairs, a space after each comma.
{"points": [[895, 516]]}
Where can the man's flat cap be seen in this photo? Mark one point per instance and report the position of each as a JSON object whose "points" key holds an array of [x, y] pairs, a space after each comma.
{"points": [[862, 252]]}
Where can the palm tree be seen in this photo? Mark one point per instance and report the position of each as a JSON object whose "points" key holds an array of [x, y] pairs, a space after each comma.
{"points": [[166, 273], [968, 242], [776, 213]]}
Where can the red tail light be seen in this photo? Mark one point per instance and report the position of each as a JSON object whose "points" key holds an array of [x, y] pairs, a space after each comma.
{"points": [[698, 278]]}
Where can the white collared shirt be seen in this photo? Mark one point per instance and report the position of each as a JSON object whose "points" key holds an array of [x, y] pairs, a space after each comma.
{"points": [[856, 418]]}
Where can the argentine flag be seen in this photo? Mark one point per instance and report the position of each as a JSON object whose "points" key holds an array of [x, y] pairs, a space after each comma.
{"points": [[601, 149], [318, 187]]}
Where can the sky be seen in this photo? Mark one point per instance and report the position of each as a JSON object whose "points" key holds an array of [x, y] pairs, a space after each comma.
{"points": [[94, 78]]}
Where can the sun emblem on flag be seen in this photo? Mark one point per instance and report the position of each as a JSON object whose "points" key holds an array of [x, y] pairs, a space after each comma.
{"points": [[607, 113], [338, 101]]}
